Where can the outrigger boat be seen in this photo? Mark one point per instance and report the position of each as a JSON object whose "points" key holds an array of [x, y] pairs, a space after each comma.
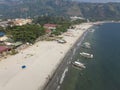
{"points": [[87, 55], [78, 64]]}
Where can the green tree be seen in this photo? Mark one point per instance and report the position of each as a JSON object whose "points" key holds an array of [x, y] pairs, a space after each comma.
{"points": [[26, 33]]}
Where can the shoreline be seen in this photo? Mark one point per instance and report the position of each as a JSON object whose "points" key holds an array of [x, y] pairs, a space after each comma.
{"points": [[42, 60], [76, 80], [65, 64]]}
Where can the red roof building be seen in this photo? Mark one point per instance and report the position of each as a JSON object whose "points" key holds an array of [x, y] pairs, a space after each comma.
{"points": [[50, 26], [3, 49]]}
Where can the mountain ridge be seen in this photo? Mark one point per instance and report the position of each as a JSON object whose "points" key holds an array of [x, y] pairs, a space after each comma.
{"points": [[30, 8]]}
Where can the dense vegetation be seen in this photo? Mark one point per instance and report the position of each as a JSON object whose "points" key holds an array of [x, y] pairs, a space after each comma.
{"points": [[26, 33], [35, 8], [63, 23], [102, 11], [30, 32], [49, 19]]}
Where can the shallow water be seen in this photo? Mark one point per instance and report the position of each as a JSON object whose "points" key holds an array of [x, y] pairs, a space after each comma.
{"points": [[103, 71]]}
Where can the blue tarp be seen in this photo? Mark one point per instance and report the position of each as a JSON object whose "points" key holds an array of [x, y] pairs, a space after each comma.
{"points": [[2, 34], [23, 66]]}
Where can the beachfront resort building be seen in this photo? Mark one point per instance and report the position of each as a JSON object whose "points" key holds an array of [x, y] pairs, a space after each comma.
{"points": [[4, 50], [50, 27], [73, 18], [4, 23], [19, 22], [3, 37]]}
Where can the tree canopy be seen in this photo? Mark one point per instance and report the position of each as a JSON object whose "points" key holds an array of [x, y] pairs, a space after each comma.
{"points": [[26, 33]]}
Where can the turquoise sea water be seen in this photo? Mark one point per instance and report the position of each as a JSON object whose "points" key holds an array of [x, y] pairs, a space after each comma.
{"points": [[103, 71]]}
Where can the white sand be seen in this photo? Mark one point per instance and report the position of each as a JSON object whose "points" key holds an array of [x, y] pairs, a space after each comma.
{"points": [[41, 60]]}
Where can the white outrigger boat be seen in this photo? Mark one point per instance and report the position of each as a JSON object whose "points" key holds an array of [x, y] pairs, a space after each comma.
{"points": [[87, 55], [78, 64], [86, 45]]}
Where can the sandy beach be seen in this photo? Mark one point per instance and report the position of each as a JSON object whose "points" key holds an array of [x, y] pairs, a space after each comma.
{"points": [[40, 59]]}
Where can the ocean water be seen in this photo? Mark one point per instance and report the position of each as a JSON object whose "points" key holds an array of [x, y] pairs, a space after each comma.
{"points": [[103, 71]]}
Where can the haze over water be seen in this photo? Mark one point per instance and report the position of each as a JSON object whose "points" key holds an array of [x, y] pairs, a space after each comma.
{"points": [[103, 71]]}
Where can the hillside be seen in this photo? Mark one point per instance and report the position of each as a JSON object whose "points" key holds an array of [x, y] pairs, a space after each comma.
{"points": [[34, 8], [101, 11]]}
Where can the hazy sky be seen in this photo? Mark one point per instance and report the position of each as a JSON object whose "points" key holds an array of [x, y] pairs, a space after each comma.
{"points": [[98, 0]]}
